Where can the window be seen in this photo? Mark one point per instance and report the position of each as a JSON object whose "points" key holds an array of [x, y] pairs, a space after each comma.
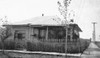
{"points": [[42, 34], [19, 34], [39, 32], [57, 33]]}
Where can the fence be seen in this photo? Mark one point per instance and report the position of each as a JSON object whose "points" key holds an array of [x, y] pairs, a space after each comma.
{"points": [[48, 46]]}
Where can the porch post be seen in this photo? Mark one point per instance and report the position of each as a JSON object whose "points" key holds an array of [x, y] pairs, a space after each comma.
{"points": [[71, 35], [47, 33]]}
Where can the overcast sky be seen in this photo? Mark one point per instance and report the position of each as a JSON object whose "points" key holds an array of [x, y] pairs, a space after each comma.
{"points": [[86, 12]]}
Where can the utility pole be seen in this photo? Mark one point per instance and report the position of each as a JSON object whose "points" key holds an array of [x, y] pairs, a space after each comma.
{"points": [[94, 36]]}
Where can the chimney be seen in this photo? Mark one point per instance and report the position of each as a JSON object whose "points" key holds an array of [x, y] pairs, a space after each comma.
{"points": [[71, 20], [42, 14]]}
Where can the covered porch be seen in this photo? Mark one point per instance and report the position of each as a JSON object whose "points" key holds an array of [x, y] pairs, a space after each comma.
{"points": [[56, 33]]}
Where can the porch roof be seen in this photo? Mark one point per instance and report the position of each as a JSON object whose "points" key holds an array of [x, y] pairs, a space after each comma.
{"points": [[29, 25]]}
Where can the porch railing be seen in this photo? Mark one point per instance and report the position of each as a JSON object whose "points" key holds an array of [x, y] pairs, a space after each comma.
{"points": [[58, 40]]}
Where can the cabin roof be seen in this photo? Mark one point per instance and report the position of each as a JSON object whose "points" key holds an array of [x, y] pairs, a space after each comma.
{"points": [[42, 21]]}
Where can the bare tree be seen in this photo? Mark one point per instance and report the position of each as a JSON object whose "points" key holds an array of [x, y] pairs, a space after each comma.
{"points": [[5, 32]]}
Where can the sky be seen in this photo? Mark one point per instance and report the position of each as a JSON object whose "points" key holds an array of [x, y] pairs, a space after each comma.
{"points": [[86, 12]]}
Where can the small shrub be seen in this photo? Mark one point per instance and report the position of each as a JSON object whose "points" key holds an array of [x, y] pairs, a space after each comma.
{"points": [[50, 47], [9, 45]]}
